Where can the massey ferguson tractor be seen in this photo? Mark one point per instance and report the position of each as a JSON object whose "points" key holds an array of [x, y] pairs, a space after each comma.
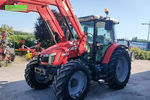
{"points": [[89, 53]]}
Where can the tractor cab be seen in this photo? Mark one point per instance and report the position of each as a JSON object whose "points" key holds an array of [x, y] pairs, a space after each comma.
{"points": [[100, 33]]}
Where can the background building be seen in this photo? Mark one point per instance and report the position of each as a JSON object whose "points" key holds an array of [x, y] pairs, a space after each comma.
{"points": [[132, 43]]}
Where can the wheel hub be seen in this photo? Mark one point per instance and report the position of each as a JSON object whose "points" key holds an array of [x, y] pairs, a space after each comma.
{"points": [[74, 83], [122, 69], [77, 84]]}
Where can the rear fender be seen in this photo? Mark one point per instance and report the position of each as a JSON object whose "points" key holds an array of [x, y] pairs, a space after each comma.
{"points": [[110, 51]]}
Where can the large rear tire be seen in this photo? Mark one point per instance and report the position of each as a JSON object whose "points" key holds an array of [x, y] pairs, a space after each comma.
{"points": [[72, 81], [119, 69], [35, 80]]}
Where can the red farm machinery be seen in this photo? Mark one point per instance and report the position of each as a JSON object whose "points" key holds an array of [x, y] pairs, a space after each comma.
{"points": [[30, 52], [7, 53], [89, 53]]}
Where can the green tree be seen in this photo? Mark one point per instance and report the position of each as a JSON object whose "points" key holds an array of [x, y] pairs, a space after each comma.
{"points": [[29, 40], [41, 32], [21, 33], [7, 27]]}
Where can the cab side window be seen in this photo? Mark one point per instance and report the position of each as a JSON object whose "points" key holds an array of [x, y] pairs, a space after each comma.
{"points": [[103, 36], [88, 28]]}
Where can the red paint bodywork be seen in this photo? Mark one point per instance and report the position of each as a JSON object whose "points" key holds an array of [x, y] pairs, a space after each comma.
{"points": [[110, 51], [64, 51]]}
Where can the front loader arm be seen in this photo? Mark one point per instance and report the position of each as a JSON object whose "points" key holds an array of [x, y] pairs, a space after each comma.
{"points": [[39, 7], [42, 7]]}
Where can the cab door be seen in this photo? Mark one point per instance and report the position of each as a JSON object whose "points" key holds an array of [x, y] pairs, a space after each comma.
{"points": [[89, 29], [104, 39]]}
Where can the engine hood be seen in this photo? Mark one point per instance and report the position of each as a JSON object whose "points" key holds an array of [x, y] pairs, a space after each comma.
{"points": [[60, 47]]}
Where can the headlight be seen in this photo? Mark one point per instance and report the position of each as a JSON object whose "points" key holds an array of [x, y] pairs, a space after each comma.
{"points": [[49, 58]]}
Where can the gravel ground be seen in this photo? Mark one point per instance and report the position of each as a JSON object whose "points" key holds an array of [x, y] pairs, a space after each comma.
{"points": [[13, 86]]}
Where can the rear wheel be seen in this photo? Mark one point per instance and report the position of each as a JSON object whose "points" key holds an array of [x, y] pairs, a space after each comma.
{"points": [[72, 81], [35, 80], [119, 69]]}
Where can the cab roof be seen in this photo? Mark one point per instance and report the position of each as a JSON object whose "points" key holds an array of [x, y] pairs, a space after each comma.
{"points": [[95, 17]]}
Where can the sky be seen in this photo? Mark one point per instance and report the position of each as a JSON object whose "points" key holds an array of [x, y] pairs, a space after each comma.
{"points": [[130, 14]]}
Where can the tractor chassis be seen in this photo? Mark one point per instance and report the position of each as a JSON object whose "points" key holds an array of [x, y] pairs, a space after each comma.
{"points": [[46, 70], [99, 71]]}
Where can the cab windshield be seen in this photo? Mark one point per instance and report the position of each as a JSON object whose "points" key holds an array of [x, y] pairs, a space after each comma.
{"points": [[98, 39], [103, 36]]}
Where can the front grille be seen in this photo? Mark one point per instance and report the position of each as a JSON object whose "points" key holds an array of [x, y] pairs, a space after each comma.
{"points": [[44, 59]]}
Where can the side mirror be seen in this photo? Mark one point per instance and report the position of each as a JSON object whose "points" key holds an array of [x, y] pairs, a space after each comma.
{"points": [[109, 25]]}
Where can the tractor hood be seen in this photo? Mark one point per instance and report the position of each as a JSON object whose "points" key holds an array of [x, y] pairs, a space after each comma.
{"points": [[59, 53], [60, 47]]}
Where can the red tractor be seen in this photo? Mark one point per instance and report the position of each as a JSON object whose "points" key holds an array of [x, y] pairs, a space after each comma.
{"points": [[89, 53]]}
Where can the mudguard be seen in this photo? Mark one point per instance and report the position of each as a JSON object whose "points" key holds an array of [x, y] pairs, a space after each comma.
{"points": [[110, 51]]}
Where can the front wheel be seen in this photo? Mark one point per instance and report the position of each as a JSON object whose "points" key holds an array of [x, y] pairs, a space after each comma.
{"points": [[119, 69], [72, 81], [35, 80]]}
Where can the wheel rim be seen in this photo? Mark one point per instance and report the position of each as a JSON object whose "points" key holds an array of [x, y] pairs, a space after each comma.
{"points": [[122, 69], [77, 84], [41, 79]]}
